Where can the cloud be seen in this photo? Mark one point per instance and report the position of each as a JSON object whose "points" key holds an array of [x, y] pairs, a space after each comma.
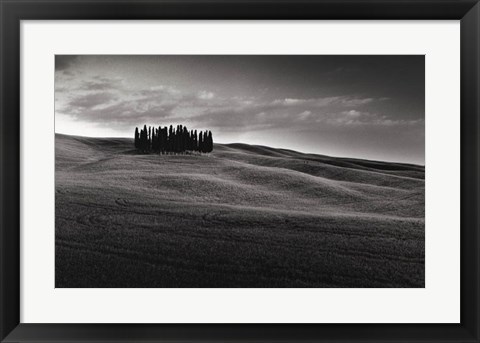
{"points": [[304, 115], [89, 101], [346, 101], [113, 102], [292, 102], [317, 102], [355, 101], [352, 113], [101, 84], [357, 118], [204, 95]]}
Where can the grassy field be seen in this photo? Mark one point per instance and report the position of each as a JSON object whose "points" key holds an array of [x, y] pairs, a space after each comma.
{"points": [[243, 216]]}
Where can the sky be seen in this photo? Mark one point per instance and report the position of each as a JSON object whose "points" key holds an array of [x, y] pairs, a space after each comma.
{"points": [[369, 107]]}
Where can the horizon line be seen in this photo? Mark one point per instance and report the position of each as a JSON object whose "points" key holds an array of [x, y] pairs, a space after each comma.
{"points": [[267, 146]]}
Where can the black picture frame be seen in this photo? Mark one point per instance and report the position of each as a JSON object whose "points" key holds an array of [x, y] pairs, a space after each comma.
{"points": [[13, 11]]}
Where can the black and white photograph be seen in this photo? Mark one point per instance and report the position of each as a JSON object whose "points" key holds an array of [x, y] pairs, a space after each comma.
{"points": [[239, 171]]}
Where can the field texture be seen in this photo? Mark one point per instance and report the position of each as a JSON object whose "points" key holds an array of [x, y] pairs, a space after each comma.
{"points": [[242, 216]]}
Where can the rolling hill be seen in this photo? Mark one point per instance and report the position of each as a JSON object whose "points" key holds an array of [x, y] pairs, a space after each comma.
{"points": [[242, 216]]}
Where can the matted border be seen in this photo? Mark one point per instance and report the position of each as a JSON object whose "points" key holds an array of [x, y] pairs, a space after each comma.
{"points": [[438, 302]]}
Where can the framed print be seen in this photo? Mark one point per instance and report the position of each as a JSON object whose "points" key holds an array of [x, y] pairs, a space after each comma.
{"points": [[239, 171]]}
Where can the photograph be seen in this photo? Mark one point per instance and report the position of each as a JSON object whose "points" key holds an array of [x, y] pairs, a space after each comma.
{"points": [[239, 171]]}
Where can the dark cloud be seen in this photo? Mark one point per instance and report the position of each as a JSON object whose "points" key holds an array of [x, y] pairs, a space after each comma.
{"points": [[63, 62]]}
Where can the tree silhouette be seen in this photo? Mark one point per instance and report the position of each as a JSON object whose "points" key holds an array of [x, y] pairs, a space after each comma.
{"points": [[164, 139], [144, 139], [200, 142], [168, 140], [137, 138], [154, 139], [195, 141], [149, 142], [209, 142]]}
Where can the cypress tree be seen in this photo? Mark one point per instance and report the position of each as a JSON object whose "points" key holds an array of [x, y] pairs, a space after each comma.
{"points": [[200, 142], [160, 141], [149, 143], [145, 138], [154, 139], [205, 141], [136, 138], [175, 140], [210, 142], [185, 137], [190, 142], [170, 139], [195, 141], [179, 138], [164, 139], [140, 140]]}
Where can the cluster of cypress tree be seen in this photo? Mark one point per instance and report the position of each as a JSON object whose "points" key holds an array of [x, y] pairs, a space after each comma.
{"points": [[170, 140]]}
